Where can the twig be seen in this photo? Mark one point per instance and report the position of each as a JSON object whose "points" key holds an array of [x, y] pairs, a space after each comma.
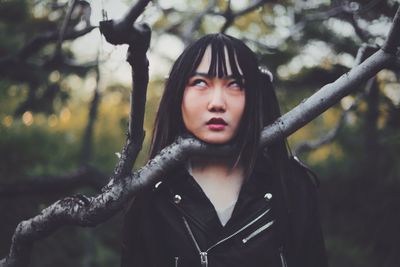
{"points": [[64, 25], [230, 16], [86, 151], [343, 11], [187, 35], [363, 52], [38, 42], [331, 135]]}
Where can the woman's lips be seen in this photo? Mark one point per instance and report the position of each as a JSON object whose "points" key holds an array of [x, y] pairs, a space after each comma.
{"points": [[216, 124], [216, 127]]}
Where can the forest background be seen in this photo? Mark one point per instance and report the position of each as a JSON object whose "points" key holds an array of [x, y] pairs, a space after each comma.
{"points": [[64, 107]]}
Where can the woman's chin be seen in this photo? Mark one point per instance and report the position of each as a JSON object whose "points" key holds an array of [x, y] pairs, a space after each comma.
{"points": [[215, 139]]}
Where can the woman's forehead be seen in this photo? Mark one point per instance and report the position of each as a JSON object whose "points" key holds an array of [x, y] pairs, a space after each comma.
{"points": [[206, 61]]}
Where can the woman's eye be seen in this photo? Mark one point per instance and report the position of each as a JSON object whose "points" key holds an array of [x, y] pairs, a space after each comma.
{"points": [[198, 82], [235, 84]]}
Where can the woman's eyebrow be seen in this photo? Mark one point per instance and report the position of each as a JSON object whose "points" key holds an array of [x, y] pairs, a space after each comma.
{"points": [[227, 77]]}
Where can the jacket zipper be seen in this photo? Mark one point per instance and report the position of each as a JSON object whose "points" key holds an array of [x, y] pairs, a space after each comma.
{"points": [[282, 256], [204, 254], [258, 231], [176, 261]]}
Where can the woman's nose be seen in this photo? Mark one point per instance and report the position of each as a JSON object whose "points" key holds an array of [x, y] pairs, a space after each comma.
{"points": [[217, 100]]}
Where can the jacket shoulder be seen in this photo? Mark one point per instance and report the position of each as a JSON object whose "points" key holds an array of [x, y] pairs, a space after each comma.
{"points": [[304, 171]]}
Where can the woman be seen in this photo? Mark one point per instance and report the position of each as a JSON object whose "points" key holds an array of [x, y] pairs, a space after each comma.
{"points": [[250, 208]]}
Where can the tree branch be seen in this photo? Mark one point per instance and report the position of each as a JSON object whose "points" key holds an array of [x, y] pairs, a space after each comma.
{"points": [[392, 42], [344, 11], [333, 92], [38, 42], [137, 36], [324, 98], [330, 136], [195, 24], [89, 211], [64, 25], [86, 150], [363, 52], [230, 16], [121, 32]]}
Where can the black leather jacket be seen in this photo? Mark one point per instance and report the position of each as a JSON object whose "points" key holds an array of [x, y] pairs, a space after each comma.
{"points": [[175, 224]]}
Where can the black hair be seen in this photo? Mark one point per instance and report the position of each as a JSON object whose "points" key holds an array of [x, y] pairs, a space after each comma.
{"points": [[261, 109], [261, 105]]}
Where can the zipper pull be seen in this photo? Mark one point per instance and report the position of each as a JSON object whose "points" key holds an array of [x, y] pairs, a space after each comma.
{"points": [[282, 256], [203, 259]]}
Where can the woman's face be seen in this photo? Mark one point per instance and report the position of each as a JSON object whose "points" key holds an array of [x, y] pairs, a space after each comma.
{"points": [[212, 107]]}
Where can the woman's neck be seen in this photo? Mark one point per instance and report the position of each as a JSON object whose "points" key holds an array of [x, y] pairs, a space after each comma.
{"points": [[220, 181], [221, 167]]}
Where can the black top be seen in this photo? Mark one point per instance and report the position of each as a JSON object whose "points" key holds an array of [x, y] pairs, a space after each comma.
{"points": [[175, 224]]}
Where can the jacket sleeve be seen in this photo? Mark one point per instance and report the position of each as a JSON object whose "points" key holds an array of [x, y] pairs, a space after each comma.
{"points": [[133, 248], [309, 239]]}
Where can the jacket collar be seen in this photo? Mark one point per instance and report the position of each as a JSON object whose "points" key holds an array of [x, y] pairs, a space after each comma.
{"points": [[198, 208]]}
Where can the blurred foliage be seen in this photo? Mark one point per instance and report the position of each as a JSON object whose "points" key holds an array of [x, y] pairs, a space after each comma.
{"points": [[303, 44]]}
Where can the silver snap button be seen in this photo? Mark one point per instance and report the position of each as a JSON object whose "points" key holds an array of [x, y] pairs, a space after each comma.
{"points": [[177, 199], [158, 184], [268, 196]]}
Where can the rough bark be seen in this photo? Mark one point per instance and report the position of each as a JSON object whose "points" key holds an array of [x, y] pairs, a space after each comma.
{"points": [[363, 52], [137, 36]]}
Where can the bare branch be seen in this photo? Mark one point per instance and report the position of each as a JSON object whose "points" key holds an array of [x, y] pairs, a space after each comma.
{"points": [[187, 35], [331, 135], [64, 25], [38, 42], [363, 52], [121, 32], [137, 36], [230, 16], [267, 48], [88, 135], [344, 11], [251, 8], [140, 78], [392, 43], [361, 33], [324, 98]]}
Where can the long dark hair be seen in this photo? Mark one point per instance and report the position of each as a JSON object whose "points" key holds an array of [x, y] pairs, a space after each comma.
{"points": [[261, 107]]}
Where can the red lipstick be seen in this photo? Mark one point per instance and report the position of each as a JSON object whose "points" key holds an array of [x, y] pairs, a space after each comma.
{"points": [[216, 124]]}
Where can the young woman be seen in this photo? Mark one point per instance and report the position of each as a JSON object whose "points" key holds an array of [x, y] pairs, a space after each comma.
{"points": [[254, 207]]}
